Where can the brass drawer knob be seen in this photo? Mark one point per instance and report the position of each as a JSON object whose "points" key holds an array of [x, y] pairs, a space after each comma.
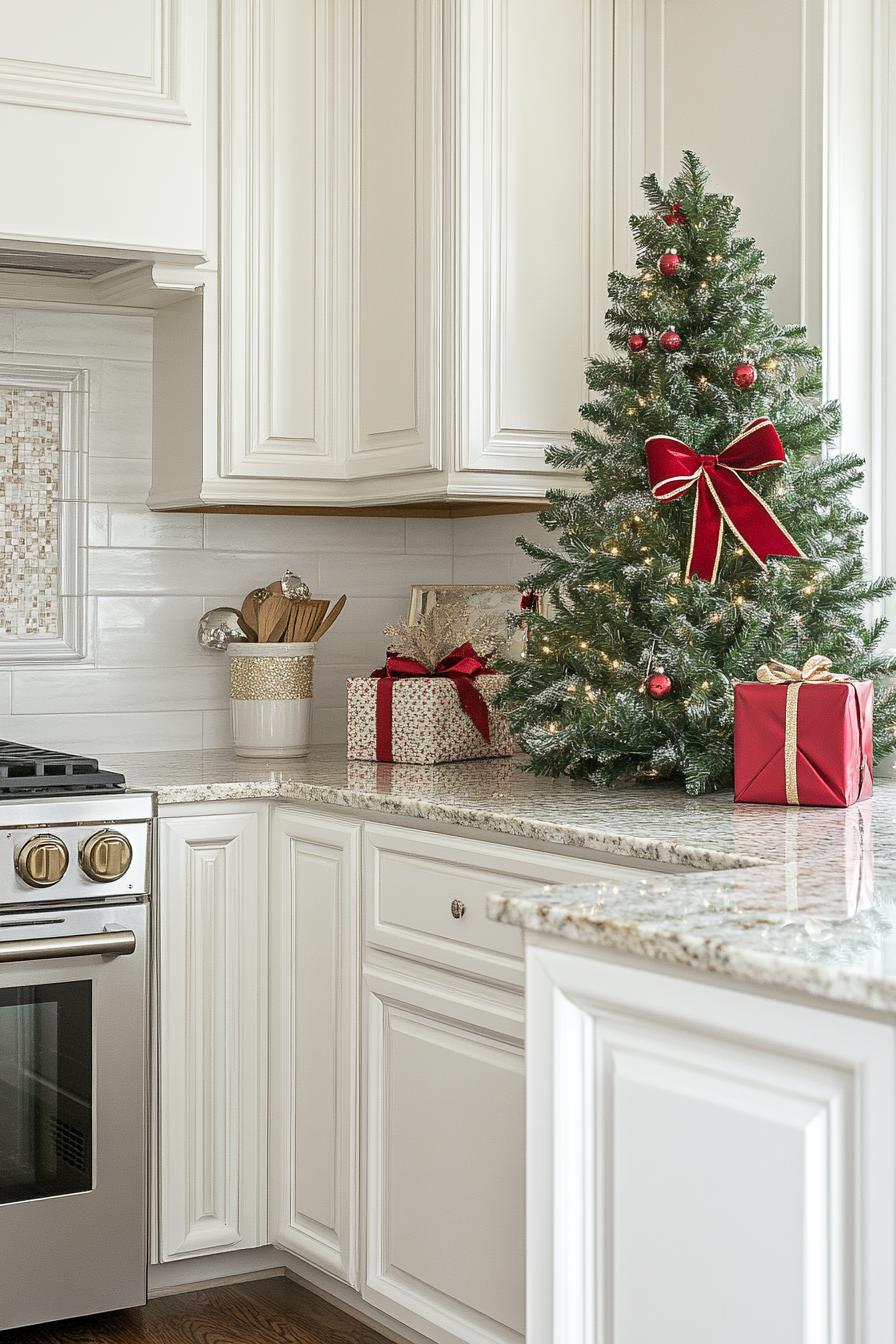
{"points": [[458, 909]]}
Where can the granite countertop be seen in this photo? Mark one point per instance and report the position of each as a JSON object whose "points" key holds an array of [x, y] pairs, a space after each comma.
{"points": [[799, 899]]}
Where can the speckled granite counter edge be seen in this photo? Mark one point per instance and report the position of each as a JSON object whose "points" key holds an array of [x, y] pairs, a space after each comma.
{"points": [[481, 818]]}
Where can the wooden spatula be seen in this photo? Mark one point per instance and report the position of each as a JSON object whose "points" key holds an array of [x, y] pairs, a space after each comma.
{"points": [[310, 616], [328, 620], [273, 615]]}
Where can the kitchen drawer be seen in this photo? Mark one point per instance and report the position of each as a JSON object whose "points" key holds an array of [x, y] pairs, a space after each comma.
{"points": [[412, 878]]}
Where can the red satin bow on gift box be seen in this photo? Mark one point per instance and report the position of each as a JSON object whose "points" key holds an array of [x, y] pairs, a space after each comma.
{"points": [[723, 496], [460, 666]]}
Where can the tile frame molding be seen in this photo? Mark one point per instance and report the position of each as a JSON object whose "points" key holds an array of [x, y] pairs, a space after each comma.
{"points": [[69, 644]]}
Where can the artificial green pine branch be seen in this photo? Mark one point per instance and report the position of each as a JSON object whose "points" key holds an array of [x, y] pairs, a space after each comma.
{"points": [[619, 609]]}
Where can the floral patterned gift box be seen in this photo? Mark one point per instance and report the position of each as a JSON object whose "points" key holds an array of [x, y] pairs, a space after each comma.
{"points": [[424, 722]]}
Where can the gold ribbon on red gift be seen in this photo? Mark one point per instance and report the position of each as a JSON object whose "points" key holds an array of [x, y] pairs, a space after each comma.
{"points": [[814, 671], [722, 494], [460, 667]]}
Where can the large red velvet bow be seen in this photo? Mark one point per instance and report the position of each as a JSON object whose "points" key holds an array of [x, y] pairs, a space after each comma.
{"points": [[460, 666], [723, 496]]}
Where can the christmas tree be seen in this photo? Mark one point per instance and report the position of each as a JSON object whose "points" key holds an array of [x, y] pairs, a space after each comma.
{"points": [[656, 607]]}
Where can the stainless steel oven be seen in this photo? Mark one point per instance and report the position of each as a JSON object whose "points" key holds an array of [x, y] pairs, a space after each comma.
{"points": [[74, 888]]}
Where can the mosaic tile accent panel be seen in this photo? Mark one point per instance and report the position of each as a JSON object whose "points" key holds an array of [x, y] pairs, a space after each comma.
{"points": [[29, 511]]}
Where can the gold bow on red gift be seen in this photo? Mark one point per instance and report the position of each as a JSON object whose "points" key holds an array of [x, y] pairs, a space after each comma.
{"points": [[817, 668], [722, 494]]}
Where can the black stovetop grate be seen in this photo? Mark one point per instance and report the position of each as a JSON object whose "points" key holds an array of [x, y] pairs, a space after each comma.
{"points": [[35, 770]]}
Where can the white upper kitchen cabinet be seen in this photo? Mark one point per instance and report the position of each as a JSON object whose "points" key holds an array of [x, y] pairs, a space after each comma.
{"points": [[409, 279], [105, 125]]}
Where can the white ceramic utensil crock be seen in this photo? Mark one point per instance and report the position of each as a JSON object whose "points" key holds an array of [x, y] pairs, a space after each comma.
{"points": [[271, 687]]}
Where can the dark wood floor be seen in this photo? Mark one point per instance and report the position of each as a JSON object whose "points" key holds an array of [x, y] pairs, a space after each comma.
{"points": [[268, 1311]]}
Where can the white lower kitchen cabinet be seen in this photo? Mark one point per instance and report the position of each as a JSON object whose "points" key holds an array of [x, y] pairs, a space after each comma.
{"points": [[341, 1072], [704, 1163], [313, 1169], [211, 981], [445, 1168]]}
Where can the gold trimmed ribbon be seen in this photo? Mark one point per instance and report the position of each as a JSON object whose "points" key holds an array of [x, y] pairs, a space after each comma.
{"points": [[814, 671], [722, 496]]}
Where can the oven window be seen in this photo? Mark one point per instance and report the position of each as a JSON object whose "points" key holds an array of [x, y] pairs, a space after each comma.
{"points": [[46, 1087]]}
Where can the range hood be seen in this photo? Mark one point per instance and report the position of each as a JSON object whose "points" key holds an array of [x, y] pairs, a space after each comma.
{"points": [[71, 265]]}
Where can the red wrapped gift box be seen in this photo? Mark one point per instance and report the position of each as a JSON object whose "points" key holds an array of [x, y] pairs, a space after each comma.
{"points": [[803, 737]]}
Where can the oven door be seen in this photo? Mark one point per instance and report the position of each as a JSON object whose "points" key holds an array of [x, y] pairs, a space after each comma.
{"points": [[72, 1113]]}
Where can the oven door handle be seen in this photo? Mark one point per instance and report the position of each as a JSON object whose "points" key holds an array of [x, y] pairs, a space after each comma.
{"points": [[112, 942]]}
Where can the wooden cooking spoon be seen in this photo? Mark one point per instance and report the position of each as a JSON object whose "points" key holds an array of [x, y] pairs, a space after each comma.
{"points": [[249, 613], [328, 620]]}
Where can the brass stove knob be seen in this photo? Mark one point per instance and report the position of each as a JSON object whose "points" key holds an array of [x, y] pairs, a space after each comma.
{"points": [[106, 856], [42, 861]]}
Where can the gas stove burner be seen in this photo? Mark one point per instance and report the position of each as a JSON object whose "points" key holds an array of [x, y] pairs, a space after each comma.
{"points": [[35, 771]]}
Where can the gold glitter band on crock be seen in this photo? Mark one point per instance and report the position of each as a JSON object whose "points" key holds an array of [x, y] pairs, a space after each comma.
{"points": [[272, 678]]}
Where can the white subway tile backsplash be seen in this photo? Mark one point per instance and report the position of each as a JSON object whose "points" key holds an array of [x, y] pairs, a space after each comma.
{"points": [[185, 571], [85, 335], [490, 568], [132, 690], [102, 733], [256, 532], [428, 536], [147, 685], [121, 409], [98, 525], [119, 480], [481, 536], [134, 525], [146, 631], [364, 574]]}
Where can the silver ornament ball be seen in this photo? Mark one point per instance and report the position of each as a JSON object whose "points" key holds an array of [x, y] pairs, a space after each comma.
{"points": [[294, 588], [219, 627]]}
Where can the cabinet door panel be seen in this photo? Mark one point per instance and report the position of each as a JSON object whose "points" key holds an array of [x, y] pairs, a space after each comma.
{"points": [[314, 996], [740, 1147], [397, 302], [113, 102], [277, 238], [211, 913], [445, 1160], [534, 224]]}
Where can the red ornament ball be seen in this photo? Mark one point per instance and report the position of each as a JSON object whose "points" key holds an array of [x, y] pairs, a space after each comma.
{"points": [[743, 375], [669, 262], [659, 685], [670, 340], [637, 342]]}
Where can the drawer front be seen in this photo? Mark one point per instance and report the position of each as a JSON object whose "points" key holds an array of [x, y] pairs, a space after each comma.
{"points": [[425, 897]]}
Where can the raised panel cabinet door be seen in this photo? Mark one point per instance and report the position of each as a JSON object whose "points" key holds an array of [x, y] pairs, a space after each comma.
{"points": [[313, 1194], [211, 913], [280, 238], [704, 1163], [106, 115], [444, 1172], [397, 300], [533, 217]]}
